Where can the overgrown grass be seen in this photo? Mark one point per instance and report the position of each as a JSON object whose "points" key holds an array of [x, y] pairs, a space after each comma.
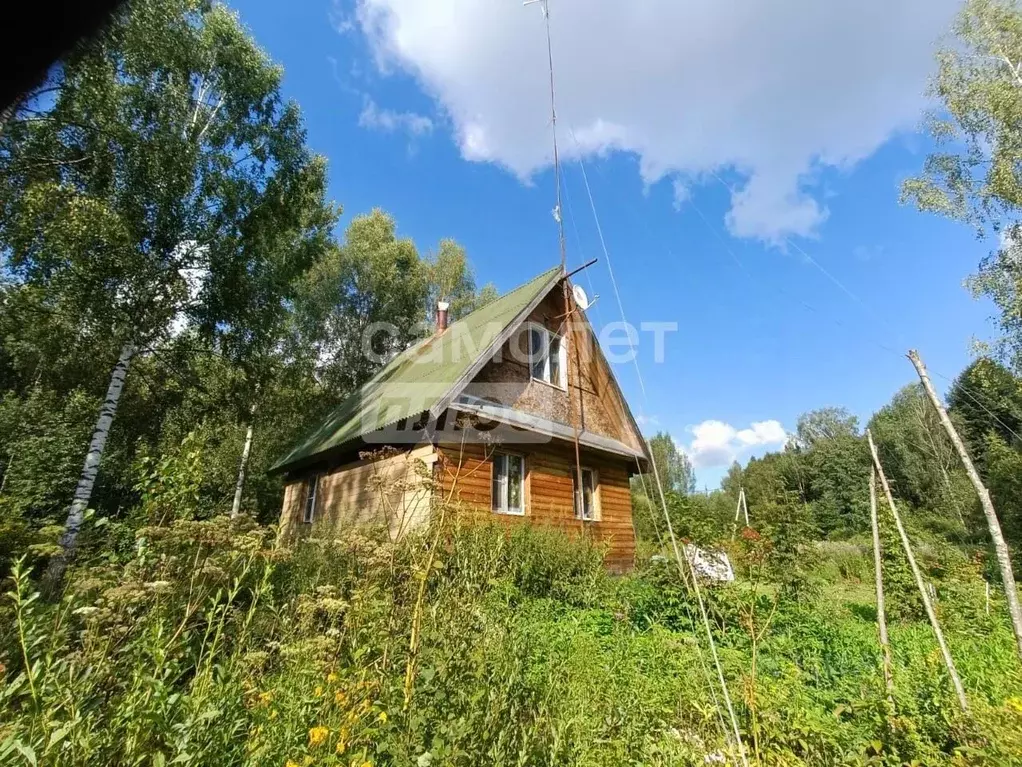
{"points": [[212, 647]]}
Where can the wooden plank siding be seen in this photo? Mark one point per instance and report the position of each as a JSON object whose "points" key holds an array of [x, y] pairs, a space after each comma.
{"points": [[393, 491], [464, 475], [595, 404]]}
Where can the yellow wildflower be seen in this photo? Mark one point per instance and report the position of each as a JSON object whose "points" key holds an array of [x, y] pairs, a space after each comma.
{"points": [[340, 697], [332, 678], [1015, 704], [266, 697], [382, 717], [341, 746], [273, 714], [317, 735], [292, 763], [318, 691]]}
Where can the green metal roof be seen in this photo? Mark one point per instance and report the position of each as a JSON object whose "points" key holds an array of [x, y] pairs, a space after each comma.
{"points": [[424, 375]]}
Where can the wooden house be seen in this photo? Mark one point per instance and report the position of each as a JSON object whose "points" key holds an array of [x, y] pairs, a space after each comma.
{"points": [[511, 412]]}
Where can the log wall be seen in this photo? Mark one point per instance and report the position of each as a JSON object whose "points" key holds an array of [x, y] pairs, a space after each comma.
{"points": [[464, 475]]}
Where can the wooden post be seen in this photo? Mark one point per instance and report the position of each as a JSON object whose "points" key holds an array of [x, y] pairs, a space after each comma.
{"points": [[1000, 546], [879, 578], [952, 671], [742, 506]]}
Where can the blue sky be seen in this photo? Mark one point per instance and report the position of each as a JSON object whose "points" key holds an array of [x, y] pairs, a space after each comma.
{"points": [[734, 157]]}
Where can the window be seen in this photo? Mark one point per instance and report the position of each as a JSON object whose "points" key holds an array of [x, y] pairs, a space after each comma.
{"points": [[311, 485], [586, 501], [508, 480], [547, 356]]}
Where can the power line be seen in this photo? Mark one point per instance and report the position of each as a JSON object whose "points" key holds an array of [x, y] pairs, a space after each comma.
{"points": [[581, 251], [606, 253], [798, 299], [987, 410], [660, 489], [642, 477], [840, 285]]}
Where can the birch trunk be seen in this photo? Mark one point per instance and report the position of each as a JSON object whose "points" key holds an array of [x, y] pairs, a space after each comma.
{"points": [[885, 645], [6, 115], [83, 493], [239, 487], [930, 613], [7, 471], [994, 525]]}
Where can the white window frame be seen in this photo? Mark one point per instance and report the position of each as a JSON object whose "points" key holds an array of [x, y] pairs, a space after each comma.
{"points": [[562, 356], [311, 498], [501, 507], [594, 512]]}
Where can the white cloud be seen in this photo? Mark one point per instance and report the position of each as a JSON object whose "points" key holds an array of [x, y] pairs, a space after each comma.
{"points": [[763, 433], [647, 420], [682, 192], [389, 121], [774, 89], [716, 443]]}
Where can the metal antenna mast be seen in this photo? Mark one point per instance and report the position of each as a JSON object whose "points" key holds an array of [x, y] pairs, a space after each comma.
{"points": [[545, 4]]}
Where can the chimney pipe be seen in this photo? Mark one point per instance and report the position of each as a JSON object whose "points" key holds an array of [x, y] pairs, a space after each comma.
{"points": [[441, 316]]}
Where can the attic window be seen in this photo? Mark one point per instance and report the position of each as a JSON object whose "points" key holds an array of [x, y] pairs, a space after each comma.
{"points": [[311, 485], [547, 356], [508, 479]]}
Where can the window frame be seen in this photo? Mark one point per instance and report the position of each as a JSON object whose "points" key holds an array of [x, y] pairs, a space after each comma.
{"points": [[578, 494], [562, 356], [505, 508], [311, 499]]}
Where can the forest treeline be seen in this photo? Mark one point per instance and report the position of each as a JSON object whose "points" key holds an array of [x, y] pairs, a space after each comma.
{"points": [[176, 297], [163, 221], [817, 487]]}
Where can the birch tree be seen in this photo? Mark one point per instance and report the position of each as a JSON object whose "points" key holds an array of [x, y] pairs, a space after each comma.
{"points": [[163, 146], [449, 277], [975, 175], [362, 302]]}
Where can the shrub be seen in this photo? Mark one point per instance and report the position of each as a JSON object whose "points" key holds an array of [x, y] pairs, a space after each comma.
{"points": [[479, 645]]}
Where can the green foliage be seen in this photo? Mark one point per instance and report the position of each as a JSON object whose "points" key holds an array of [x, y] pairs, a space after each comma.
{"points": [[170, 488], [1004, 472], [986, 402], [978, 86], [672, 465], [833, 473], [449, 278], [158, 190], [825, 424], [986, 398], [922, 465], [44, 439], [209, 646], [975, 176]]}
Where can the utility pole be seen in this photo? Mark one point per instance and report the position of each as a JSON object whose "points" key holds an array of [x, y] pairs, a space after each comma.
{"points": [[1000, 545], [879, 577], [742, 506], [952, 671]]}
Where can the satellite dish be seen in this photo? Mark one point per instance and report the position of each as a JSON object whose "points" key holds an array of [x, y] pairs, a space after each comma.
{"points": [[581, 299]]}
